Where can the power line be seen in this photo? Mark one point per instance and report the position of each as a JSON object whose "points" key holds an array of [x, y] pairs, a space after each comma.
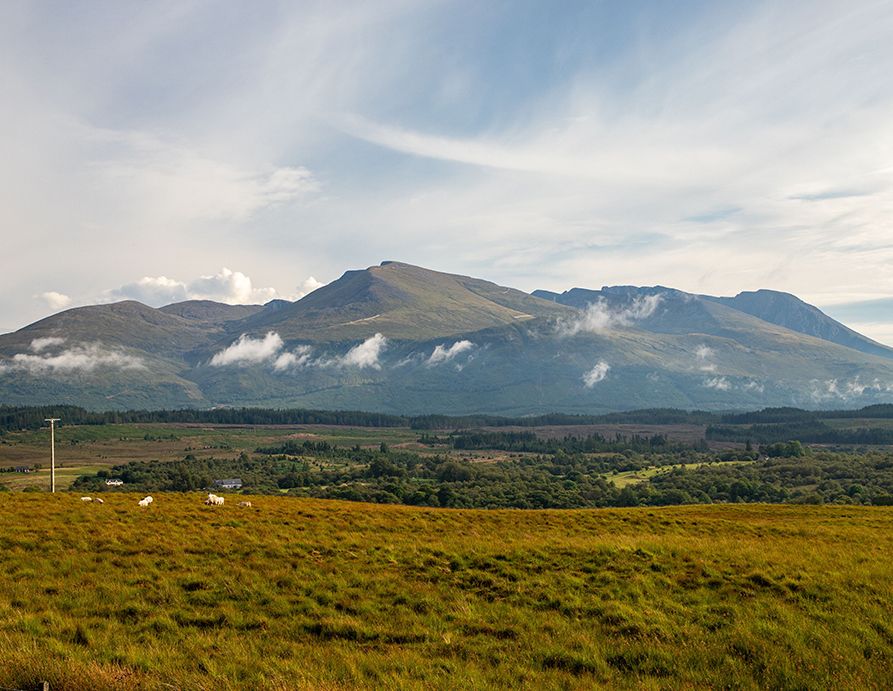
{"points": [[52, 421]]}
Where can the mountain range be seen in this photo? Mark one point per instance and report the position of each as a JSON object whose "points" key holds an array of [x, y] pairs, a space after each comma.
{"points": [[404, 339]]}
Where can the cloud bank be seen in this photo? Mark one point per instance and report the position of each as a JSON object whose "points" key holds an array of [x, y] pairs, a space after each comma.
{"points": [[79, 358], [230, 287], [246, 351]]}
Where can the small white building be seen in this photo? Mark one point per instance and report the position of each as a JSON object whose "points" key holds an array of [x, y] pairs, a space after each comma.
{"points": [[228, 483]]}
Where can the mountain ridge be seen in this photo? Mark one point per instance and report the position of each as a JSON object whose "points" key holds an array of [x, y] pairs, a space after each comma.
{"points": [[403, 339], [773, 307]]}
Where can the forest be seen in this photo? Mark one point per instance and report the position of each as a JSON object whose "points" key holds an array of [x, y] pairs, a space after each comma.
{"points": [[778, 473]]}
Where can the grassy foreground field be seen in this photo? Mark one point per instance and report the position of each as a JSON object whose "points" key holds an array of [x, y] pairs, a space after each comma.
{"points": [[314, 594]]}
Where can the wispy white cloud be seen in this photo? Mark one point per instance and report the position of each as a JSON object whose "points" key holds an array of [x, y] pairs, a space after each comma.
{"points": [[442, 353], [704, 355], [596, 374], [184, 185]]}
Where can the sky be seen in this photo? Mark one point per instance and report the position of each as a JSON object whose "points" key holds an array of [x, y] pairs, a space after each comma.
{"points": [[246, 151]]}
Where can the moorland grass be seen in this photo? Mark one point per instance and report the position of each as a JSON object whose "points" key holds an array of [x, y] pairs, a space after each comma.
{"points": [[295, 593]]}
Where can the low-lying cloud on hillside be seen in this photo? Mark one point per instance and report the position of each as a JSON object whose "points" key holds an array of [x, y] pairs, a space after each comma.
{"points": [[443, 354], [844, 390], [249, 351], [596, 374], [40, 344], [600, 316], [365, 354], [298, 357], [704, 355], [718, 383], [722, 383], [78, 358], [269, 349]]}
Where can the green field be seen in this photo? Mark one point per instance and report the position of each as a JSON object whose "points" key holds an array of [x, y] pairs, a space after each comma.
{"points": [[318, 594], [632, 477]]}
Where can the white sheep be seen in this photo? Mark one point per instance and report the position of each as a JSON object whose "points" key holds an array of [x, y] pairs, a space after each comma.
{"points": [[86, 498], [145, 501], [214, 500], [245, 503], [99, 500]]}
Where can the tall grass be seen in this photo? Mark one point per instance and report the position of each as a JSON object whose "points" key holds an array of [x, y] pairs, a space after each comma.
{"points": [[294, 593]]}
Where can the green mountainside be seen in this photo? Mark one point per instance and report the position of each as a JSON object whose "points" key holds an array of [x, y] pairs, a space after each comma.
{"points": [[447, 344]]}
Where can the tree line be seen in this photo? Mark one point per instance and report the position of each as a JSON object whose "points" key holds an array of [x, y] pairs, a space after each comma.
{"points": [[814, 432], [806, 425], [529, 442]]}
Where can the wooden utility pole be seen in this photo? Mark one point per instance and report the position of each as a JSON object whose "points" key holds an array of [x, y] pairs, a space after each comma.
{"points": [[52, 421]]}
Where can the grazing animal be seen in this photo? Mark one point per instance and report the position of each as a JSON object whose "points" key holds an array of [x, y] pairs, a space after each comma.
{"points": [[214, 500], [86, 498], [245, 503], [98, 499], [145, 501]]}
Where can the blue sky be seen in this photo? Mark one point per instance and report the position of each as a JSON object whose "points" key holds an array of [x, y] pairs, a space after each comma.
{"points": [[713, 147]]}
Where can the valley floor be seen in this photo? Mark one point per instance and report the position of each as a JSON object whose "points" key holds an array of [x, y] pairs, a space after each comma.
{"points": [[300, 593]]}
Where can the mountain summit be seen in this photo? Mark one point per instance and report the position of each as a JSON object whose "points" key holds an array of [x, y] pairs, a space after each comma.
{"points": [[402, 301], [401, 338]]}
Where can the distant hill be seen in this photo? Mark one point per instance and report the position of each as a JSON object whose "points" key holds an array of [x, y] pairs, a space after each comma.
{"points": [[791, 312], [129, 324], [398, 338]]}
